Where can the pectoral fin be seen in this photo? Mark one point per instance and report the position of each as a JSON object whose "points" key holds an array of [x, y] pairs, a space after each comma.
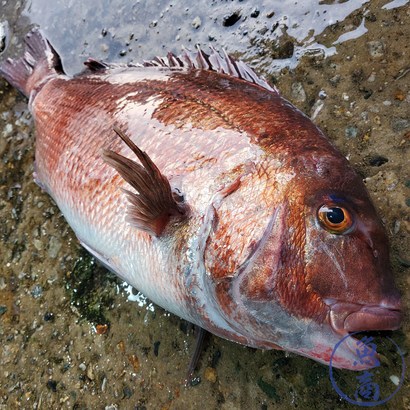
{"points": [[154, 203]]}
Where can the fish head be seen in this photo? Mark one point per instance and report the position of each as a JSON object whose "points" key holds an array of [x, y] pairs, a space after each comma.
{"points": [[347, 262], [318, 270]]}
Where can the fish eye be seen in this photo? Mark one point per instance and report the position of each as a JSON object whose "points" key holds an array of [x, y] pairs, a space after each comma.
{"points": [[335, 219]]}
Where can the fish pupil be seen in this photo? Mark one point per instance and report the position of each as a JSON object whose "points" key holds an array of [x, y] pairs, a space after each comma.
{"points": [[335, 215]]}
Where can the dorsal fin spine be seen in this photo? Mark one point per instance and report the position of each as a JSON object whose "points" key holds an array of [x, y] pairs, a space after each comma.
{"points": [[197, 60]]}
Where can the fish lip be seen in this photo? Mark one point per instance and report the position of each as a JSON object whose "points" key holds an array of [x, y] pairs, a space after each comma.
{"points": [[347, 317], [339, 350]]}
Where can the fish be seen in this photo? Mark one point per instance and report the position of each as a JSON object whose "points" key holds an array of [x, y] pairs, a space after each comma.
{"points": [[196, 182]]}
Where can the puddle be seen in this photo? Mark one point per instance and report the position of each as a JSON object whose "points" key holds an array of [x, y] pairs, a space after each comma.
{"points": [[132, 31]]}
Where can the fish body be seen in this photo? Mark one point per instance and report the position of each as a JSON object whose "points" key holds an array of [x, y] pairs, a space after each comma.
{"points": [[239, 215]]}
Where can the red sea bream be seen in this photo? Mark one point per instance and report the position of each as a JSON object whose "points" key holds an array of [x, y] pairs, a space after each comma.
{"points": [[197, 183]]}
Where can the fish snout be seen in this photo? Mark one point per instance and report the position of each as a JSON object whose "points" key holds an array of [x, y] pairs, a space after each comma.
{"points": [[351, 317]]}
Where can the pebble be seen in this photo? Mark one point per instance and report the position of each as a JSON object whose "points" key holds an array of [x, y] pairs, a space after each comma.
{"points": [[377, 161], [335, 80], [37, 291], [372, 77], [399, 124], [134, 361], [49, 317], [121, 346], [90, 373], [54, 247], [351, 132], [3, 310], [127, 392], [255, 12], [104, 384], [231, 19], [82, 367], [52, 385], [63, 399], [8, 129], [317, 107], [38, 244], [366, 93], [196, 22], [399, 95], [391, 180], [376, 49], [298, 92], [101, 329], [210, 374], [364, 116], [195, 381], [322, 94], [396, 226]]}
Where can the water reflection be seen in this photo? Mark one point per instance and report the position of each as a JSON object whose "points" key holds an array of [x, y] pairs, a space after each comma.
{"points": [[119, 30]]}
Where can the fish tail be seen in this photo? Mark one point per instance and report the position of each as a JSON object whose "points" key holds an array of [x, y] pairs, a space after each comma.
{"points": [[39, 63]]}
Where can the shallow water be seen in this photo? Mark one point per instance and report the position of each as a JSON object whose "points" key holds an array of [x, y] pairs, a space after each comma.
{"points": [[343, 63], [136, 30]]}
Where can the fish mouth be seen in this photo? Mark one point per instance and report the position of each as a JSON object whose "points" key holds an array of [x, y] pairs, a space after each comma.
{"points": [[348, 317], [333, 345]]}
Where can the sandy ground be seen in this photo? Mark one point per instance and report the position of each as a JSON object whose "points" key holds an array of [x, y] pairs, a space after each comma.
{"points": [[53, 295]]}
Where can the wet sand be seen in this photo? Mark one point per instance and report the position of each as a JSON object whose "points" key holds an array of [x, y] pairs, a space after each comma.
{"points": [[55, 300]]}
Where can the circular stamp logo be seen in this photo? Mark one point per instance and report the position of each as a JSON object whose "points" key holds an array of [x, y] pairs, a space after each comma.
{"points": [[378, 383]]}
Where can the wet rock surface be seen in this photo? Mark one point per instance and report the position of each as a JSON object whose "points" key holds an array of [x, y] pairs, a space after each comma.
{"points": [[69, 336]]}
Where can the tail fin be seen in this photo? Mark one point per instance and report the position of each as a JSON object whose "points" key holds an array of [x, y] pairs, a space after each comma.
{"points": [[39, 62]]}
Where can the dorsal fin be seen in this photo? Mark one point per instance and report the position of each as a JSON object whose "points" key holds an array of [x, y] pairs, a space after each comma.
{"points": [[199, 60], [194, 60], [95, 66]]}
